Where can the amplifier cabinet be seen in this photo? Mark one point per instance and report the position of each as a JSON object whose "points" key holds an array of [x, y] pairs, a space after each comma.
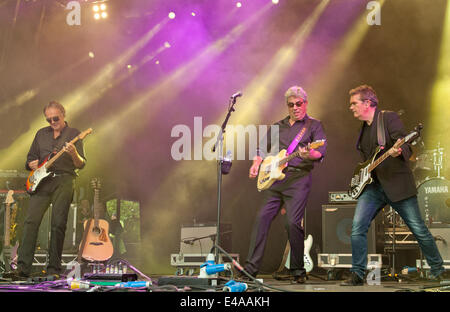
{"points": [[200, 238], [337, 228]]}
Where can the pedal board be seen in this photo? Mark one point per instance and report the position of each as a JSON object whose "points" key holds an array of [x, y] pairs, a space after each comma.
{"points": [[123, 277], [189, 281]]}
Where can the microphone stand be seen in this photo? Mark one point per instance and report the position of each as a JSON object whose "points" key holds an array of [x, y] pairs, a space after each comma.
{"points": [[218, 146]]}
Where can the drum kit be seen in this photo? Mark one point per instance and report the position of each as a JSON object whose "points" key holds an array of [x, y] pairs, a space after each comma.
{"points": [[432, 187]]}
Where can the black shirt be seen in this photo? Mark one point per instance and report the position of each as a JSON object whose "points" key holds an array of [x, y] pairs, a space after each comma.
{"points": [[367, 143], [44, 145], [287, 133]]}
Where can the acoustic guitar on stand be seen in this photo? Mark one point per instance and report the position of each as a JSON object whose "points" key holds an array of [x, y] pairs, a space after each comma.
{"points": [[96, 244], [38, 175], [271, 168]]}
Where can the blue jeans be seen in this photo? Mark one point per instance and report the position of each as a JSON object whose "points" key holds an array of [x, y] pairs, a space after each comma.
{"points": [[370, 202]]}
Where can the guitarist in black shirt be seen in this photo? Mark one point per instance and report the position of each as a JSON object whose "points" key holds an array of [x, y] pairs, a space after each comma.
{"points": [[393, 184], [57, 189]]}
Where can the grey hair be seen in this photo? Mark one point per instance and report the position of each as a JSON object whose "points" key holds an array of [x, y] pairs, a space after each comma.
{"points": [[57, 105], [296, 91]]}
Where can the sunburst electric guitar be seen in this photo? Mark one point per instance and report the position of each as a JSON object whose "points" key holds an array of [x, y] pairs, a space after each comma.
{"points": [[271, 168], [362, 175], [96, 244], [38, 175]]}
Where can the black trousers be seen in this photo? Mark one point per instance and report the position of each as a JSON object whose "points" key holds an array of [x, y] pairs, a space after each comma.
{"points": [[57, 191], [292, 192]]}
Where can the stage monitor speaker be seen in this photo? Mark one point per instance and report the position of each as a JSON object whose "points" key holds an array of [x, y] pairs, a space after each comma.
{"points": [[71, 228], [337, 228], [442, 237], [200, 238]]}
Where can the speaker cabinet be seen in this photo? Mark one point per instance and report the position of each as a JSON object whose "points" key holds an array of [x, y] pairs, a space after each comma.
{"points": [[337, 228], [200, 238]]}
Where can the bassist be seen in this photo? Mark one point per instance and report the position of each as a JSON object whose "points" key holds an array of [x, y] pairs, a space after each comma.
{"points": [[57, 189], [293, 190], [393, 183]]}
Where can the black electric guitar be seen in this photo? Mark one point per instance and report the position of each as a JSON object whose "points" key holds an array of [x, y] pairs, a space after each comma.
{"points": [[362, 175]]}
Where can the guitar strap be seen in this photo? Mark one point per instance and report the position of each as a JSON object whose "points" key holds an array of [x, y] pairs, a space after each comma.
{"points": [[381, 136], [298, 138]]}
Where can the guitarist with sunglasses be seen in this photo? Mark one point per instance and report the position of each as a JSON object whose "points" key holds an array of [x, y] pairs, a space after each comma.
{"points": [[56, 189], [393, 183], [295, 132]]}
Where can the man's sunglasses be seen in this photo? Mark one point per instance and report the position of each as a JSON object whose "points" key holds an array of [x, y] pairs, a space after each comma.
{"points": [[298, 104], [54, 119]]}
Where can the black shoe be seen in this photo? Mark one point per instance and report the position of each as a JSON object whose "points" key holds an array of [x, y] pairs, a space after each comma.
{"points": [[289, 275], [282, 275], [443, 276], [15, 275], [240, 275], [354, 280], [300, 279]]}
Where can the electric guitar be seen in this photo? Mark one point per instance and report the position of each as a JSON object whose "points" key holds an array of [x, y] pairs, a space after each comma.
{"points": [[271, 168], [7, 224], [307, 260], [36, 176], [362, 175], [96, 241], [8, 256]]}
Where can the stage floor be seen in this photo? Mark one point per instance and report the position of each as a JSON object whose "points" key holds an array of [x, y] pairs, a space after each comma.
{"points": [[314, 284]]}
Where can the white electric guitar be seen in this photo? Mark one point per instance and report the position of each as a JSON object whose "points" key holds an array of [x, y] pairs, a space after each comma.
{"points": [[309, 264], [271, 169]]}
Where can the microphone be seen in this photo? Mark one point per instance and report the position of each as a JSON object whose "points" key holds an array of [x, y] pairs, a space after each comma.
{"points": [[236, 95]]}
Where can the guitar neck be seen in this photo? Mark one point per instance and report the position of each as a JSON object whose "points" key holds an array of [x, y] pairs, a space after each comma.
{"points": [[57, 155], [96, 207], [383, 157], [290, 157], [7, 225]]}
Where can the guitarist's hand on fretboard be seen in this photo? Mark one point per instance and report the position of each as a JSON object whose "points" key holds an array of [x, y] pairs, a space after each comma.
{"points": [[309, 153], [395, 151], [33, 164]]}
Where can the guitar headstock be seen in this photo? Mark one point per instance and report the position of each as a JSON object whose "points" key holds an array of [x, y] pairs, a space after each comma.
{"points": [[316, 144], [83, 134], [414, 134], [96, 184], [9, 197]]}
